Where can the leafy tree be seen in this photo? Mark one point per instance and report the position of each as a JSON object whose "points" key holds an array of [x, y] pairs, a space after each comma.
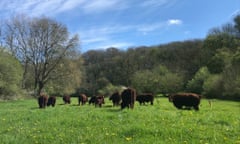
{"points": [[40, 44], [213, 86], [10, 75], [196, 83]]}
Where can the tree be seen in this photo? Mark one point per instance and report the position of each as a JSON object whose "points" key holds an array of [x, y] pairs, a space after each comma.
{"points": [[40, 44], [10, 75]]}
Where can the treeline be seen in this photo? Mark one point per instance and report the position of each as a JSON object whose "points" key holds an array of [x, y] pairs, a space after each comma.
{"points": [[208, 66]]}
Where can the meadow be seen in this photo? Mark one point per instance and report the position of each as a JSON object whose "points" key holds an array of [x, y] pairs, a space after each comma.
{"points": [[22, 122]]}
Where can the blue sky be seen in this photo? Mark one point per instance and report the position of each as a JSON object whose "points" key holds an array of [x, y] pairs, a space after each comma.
{"points": [[101, 24]]}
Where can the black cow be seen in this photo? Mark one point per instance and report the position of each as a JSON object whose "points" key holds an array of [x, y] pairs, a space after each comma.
{"points": [[42, 101], [146, 97], [67, 99], [82, 98], [99, 101], [186, 100], [51, 101], [128, 98], [115, 98], [92, 100]]}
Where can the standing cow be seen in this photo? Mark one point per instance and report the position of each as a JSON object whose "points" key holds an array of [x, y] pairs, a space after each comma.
{"points": [[185, 99], [67, 99], [145, 97], [128, 98], [42, 101], [115, 98], [82, 98], [51, 101], [99, 100]]}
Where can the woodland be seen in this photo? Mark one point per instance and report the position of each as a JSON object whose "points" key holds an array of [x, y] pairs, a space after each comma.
{"points": [[40, 55]]}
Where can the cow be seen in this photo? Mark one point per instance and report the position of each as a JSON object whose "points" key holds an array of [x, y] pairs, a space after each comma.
{"points": [[92, 100], [42, 101], [82, 98], [186, 100], [51, 101], [67, 99], [115, 98], [128, 98], [145, 97], [99, 100]]}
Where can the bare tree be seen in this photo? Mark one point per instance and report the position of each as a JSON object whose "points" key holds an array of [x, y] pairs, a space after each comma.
{"points": [[41, 43]]}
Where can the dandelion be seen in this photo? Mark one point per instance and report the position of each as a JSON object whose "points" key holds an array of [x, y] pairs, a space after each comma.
{"points": [[128, 138], [113, 134]]}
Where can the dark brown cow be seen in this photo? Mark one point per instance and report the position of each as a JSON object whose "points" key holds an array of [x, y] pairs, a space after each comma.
{"points": [[51, 101], [115, 98], [187, 100], [82, 98], [42, 101], [128, 98], [67, 99], [145, 97], [99, 101]]}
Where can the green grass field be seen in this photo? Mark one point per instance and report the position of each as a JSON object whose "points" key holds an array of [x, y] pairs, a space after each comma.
{"points": [[21, 122]]}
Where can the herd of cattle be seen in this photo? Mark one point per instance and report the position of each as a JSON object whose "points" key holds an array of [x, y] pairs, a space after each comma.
{"points": [[127, 99]]}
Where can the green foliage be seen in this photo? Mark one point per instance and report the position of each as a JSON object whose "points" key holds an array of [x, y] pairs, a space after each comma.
{"points": [[109, 89], [10, 75], [196, 83], [162, 123], [159, 80], [213, 86]]}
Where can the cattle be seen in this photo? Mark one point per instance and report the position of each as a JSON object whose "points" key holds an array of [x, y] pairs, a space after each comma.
{"points": [[115, 98], [82, 98], [51, 101], [67, 99], [128, 98], [42, 101], [92, 100], [145, 97], [187, 100], [99, 101]]}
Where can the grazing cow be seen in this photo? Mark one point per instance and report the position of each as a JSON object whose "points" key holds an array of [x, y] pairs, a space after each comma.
{"points": [[51, 101], [185, 99], [92, 100], [42, 101], [146, 97], [115, 98], [99, 101], [66, 99], [82, 98], [128, 98]]}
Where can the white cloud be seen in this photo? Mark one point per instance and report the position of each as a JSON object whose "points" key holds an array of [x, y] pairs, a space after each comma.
{"points": [[155, 3], [235, 13], [174, 22], [53, 7], [102, 5]]}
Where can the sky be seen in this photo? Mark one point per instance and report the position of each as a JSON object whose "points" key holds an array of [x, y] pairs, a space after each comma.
{"points": [[102, 24]]}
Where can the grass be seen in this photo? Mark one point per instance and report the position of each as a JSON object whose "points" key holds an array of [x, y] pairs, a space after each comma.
{"points": [[22, 122]]}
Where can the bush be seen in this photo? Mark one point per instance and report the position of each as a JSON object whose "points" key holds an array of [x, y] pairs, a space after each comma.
{"points": [[10, 76]]}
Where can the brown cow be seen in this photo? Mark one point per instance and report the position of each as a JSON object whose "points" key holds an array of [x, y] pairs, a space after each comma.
{"points": [[128, 98], [82, 98], [42, 101], [187, 100], [66, 99], [115, 98], [145, 97], [51, 101], [99, 101]]}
